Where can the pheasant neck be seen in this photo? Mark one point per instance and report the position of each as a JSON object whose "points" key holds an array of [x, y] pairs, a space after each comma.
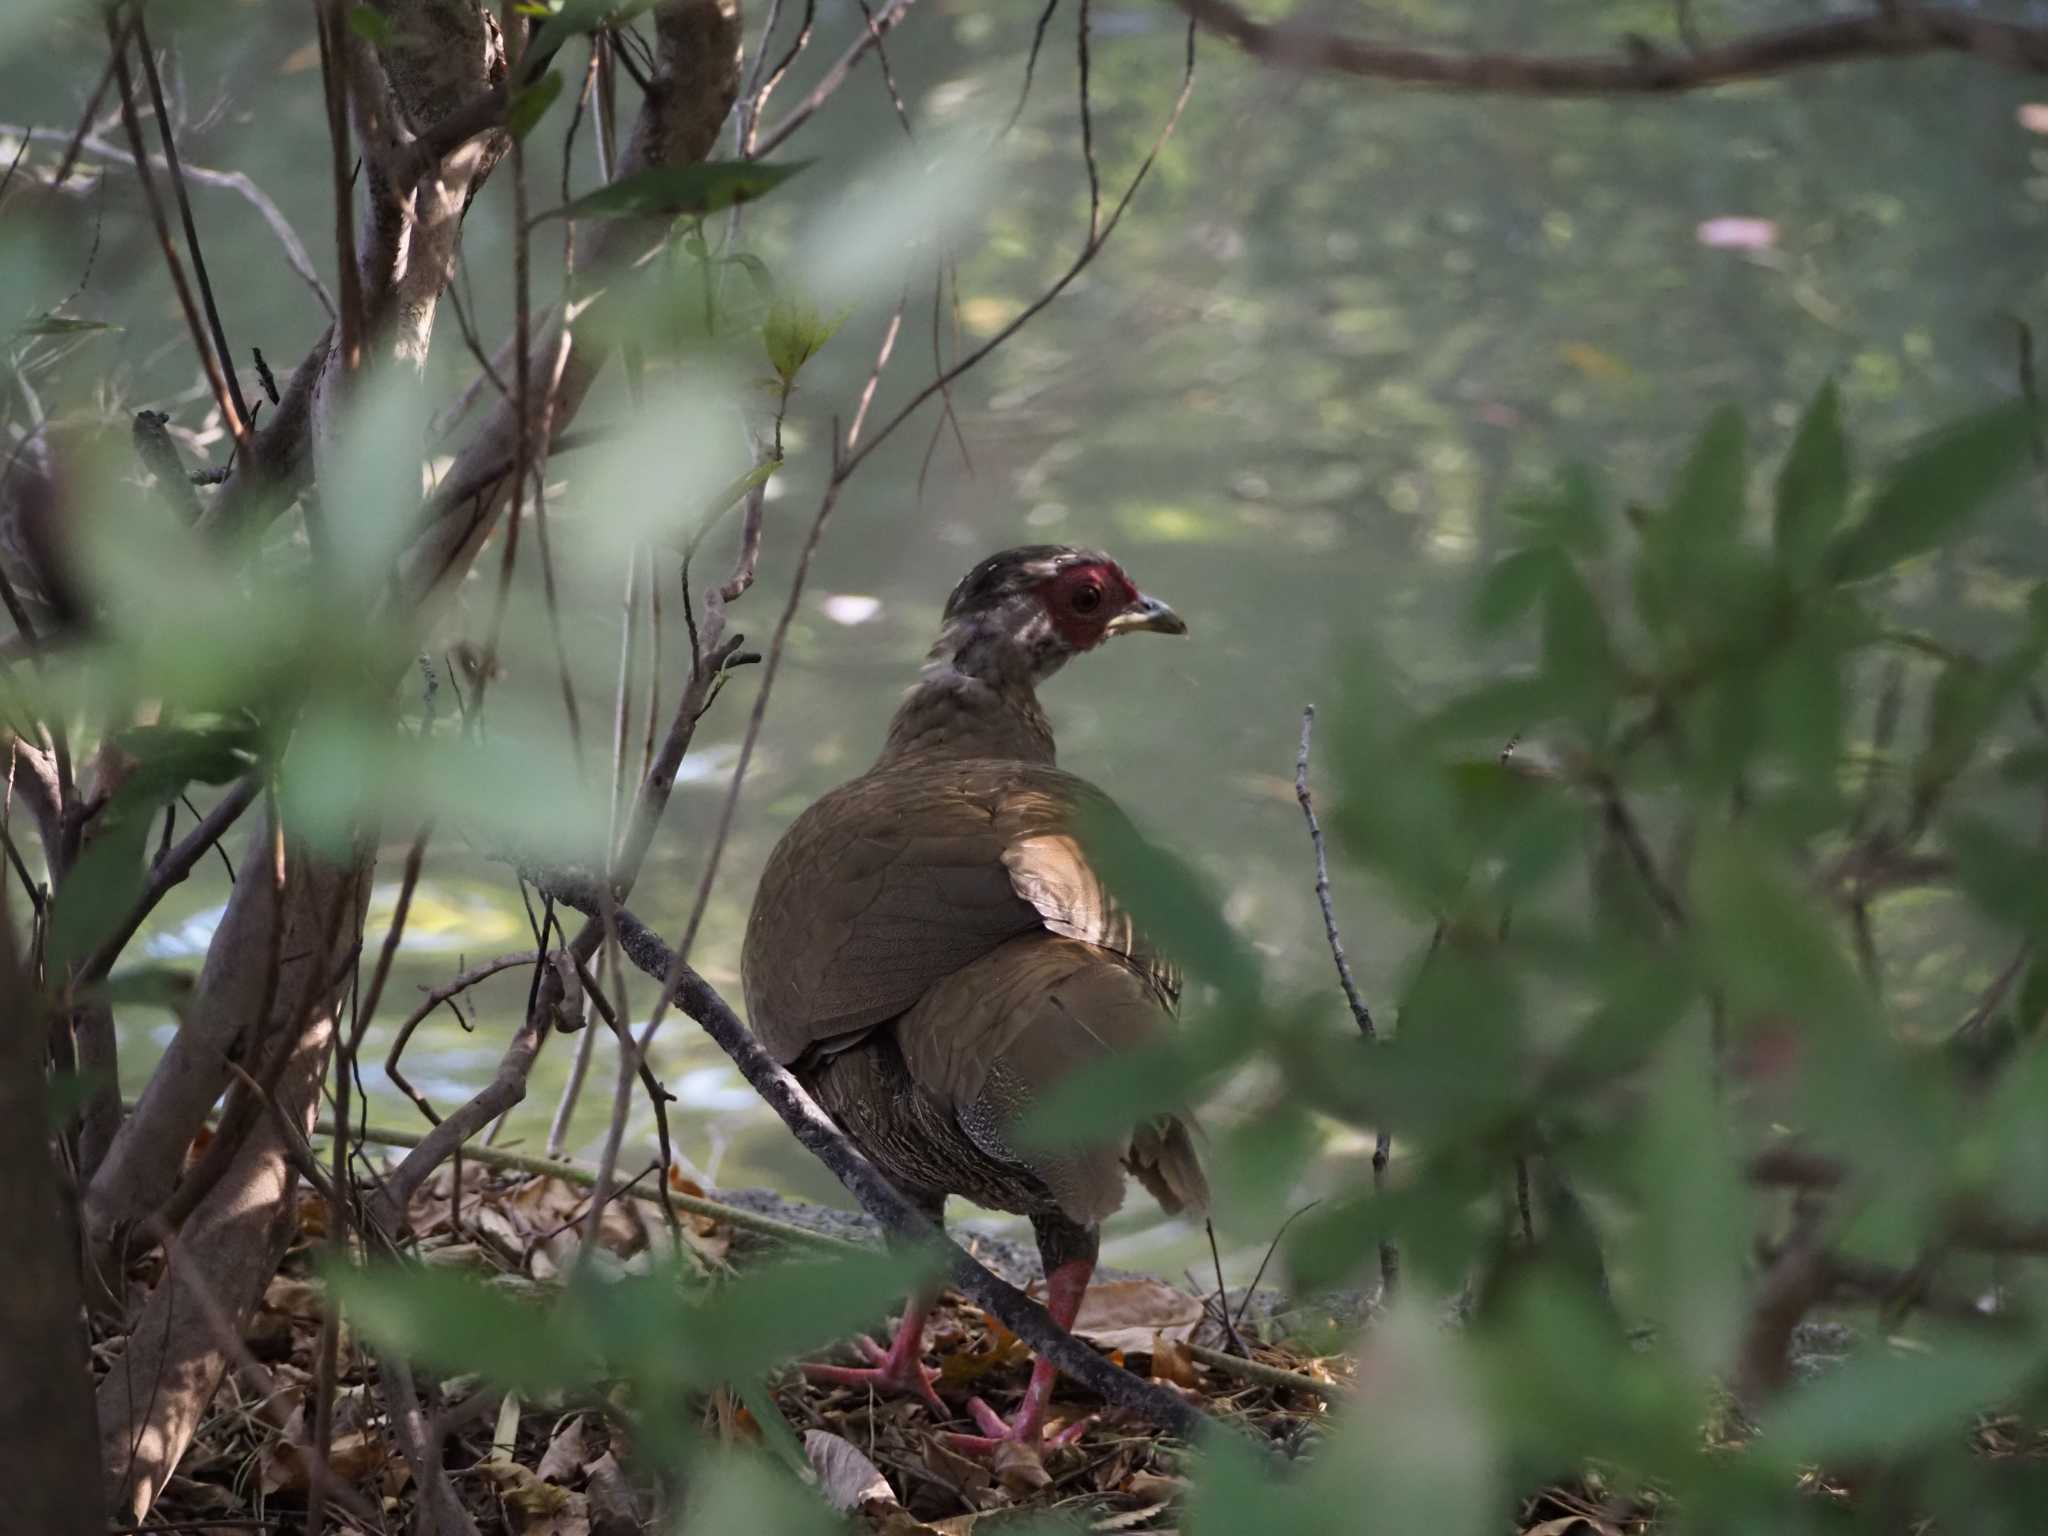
{"points": [[957, 713]]}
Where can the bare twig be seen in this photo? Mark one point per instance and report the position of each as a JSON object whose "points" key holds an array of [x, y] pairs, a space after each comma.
{"points": [[217, 367], [1382, 1148], [811, 1126], [879, 25], [163, 126], [1359, 1012], [170, 870], [1888, 31]]}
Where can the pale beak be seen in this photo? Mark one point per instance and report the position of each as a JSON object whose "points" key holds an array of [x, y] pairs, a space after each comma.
{"points": [[1147, 613]]}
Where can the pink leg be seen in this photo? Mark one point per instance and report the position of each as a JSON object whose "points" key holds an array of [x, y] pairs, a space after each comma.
{"points": [[898, 1370], [1064, 1288]]}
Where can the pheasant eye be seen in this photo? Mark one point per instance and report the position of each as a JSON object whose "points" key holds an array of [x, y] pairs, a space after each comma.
{"points": [[1087, 599]]}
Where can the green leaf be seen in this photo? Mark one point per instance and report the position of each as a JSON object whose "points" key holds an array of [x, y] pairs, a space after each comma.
{"points": [[793, 333], [2000, 872], [1813, 485], [1567, 516], [63, 325], [1513, 585], [1171, 904], [1706, 509], [530, 105], [1763, 933], [1933, 491], [455, 1322], [676, 190], [370, 25], [1688, 1246], [1894, 1396], [574, 16], [149, 986], [1578, 657]]}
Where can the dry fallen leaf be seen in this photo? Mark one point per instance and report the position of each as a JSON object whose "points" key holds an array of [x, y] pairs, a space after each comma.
{"points": [[1126, 1314], [1572, 1525], [1130, 1519], [565, 1455], [614, 1508], [1171, 1362], [846, 1478], [538, 1508], [1020, 1468]]}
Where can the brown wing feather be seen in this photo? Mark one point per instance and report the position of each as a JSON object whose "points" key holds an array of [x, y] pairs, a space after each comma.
{"points": [[899, 879], [989, 1040]]}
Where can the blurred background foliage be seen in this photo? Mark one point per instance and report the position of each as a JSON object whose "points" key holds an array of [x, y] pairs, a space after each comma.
{"points": [[1325, 392]]}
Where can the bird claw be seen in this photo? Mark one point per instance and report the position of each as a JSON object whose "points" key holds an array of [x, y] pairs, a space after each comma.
{"points": [[906, 1377], [1027, 1432]]}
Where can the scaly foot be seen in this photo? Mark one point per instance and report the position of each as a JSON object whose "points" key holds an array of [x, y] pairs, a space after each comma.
{"points": [[1027, 1429], [896, 1372]]}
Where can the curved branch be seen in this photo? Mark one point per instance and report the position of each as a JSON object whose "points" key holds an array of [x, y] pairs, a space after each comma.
{"points": [[1018, 1312], [1886, 32]]}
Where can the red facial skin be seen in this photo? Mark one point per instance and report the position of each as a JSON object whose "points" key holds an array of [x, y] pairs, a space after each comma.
{"points": [[1082, 599]]}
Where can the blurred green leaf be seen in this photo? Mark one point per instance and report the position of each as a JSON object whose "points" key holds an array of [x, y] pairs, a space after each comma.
{"points": [[1765, 938], [1513, 585], [1416, 1448], [1694, 1224], [1171, 903], [1578, 656], [1934, 490], [62, 325], [456, 1322], [530, 105], [1892, 1397], [369, 24], [794, 333], [1566, 517], [675, 190], [1707, 506], [573, 16], [1813, 485], [2005, 876]]}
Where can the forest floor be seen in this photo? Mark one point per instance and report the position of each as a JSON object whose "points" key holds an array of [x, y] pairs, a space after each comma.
{"points": [[553, 1467]]}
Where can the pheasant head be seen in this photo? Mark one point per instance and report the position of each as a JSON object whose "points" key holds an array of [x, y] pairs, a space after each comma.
{"points": [[1013, 621]]}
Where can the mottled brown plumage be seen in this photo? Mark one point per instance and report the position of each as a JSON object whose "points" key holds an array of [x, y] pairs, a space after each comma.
{"points": [[931, 951]]}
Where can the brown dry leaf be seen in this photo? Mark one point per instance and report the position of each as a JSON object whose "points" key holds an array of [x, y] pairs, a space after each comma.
{"points": [[287, 1464], [614, 1509], [1171, 1362], [565, 1455], [967, 1473], [294, 1298], [846, 1478], [956, 1525], [1155, 1485], [538, 1508], [1130, 1519], [1572, 1525], [545, 1201], [1126, 1314], [1020, 1468]]}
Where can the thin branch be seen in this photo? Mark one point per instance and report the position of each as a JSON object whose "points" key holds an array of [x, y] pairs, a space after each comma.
{"points": [[1383, 1141], [1030, 65], [1359, 1012], [1893, 31], [878, 26], [334, 82], [177, 172], [1089, 250], [216, 367], [1018, 1312], [170, 870]]}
